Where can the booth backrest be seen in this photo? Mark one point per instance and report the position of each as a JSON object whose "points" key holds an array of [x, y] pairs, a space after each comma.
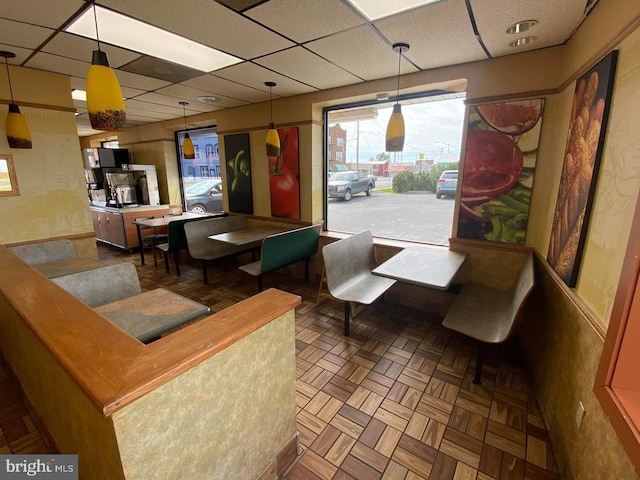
{"points": [[348, 260], [289, 247], [45, 252], [102, 285], [197, 235]]}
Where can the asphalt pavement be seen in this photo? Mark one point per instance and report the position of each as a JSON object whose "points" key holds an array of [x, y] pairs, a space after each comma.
{"points": [[416, 216]]}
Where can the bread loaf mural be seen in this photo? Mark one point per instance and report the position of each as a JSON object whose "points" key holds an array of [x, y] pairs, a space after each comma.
{"points": [[580, 168]]}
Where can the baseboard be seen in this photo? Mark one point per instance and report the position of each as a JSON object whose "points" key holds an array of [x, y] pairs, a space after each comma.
{"points": [[282, 461]]}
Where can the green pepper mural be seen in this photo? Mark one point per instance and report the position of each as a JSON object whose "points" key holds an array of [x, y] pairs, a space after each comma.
{"points": [[238, 164]]}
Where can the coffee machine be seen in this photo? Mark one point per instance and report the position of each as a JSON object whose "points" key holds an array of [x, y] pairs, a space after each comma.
{"points": [[122, 189]]}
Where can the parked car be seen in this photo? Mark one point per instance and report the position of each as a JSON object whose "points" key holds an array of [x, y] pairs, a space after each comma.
{"points": [[204, 196], [447, 183], [345, 184]]}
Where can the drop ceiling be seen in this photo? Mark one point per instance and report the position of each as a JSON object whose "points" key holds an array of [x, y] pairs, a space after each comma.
{"points": [[303, 45]]}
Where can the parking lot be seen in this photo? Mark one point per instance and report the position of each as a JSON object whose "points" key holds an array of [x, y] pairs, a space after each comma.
{"points": [[410, 216]]}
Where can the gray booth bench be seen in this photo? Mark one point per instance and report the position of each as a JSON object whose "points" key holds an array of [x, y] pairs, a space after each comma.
{"points": [[201, 247], [487, 314]]}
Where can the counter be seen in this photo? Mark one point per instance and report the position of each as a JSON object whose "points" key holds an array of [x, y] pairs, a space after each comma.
{"points": [[115, 225]]}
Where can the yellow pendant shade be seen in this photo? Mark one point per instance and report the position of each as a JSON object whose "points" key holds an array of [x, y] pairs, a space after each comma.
{"points": [[188, 151], [104, 96], [18, 133], [395, 131], [273, 141]]}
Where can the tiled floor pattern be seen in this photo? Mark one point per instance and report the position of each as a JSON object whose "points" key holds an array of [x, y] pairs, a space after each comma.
{"points": [[393, 401]]}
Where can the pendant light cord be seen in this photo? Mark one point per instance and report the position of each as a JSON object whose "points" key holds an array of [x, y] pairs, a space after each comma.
{"points": [[399, 60], [184, 115], [270, 106], [6, 63], [95, 19]]}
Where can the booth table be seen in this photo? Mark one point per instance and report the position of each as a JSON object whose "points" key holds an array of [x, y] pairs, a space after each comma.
{"points": [[148, 315], [424, 266], [248, 235]]}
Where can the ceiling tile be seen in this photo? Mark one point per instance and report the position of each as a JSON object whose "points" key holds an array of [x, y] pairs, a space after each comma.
{"points": [[240, 5], [439, 34], [193, 108], [161, 69], [80, 48], [304, 20], [254, 76], [127, 92], [56, 63], [368, 55], [170, 108], [308, 67], [183, 92], [206, 22], [21, 53], [47, 13], [221, 86], [22, 34], [556, 21], [141, 82]]}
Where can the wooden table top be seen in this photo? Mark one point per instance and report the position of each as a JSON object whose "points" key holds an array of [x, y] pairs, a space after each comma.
{"points": [[67, 267], [148, 315], [424, 266], [248, 235]]}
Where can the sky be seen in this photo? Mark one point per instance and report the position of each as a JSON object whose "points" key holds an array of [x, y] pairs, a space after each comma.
{"points": [[425, 125]]}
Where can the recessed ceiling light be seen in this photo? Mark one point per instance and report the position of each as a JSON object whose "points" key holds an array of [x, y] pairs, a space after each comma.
{"points": [[126, 32], [522, 26], [207, 99], [375, 9], [79, 95], [523, 41]]}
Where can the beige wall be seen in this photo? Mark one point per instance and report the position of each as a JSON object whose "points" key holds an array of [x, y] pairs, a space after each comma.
{"points": [[53, 197], [225, 418]]}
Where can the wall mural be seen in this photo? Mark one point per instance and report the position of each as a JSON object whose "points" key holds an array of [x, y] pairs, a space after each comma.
{"points": [[582, 155], [238, 161], [284, 176], [499, 168]]}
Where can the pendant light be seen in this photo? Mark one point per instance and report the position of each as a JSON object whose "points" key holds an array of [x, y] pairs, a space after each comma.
{"points": [[395, 128], [188, 152], [273, 139], [18, 134], [104, 96]]}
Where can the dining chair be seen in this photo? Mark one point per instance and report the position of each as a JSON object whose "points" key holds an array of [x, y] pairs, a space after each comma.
{"points": [[152, 239], [348, 264]]}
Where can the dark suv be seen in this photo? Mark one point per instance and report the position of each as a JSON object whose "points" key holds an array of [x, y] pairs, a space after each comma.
{"points": [[447, 183]]}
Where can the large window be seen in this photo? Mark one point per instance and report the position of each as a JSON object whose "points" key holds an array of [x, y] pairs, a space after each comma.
{"points": [[200, 177], [403, 203]]}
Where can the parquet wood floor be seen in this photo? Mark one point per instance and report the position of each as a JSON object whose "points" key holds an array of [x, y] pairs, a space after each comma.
{"points": [[394, 401]]}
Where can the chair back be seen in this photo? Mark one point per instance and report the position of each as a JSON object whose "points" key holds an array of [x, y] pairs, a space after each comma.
{"points": [[279, 249], [346, 259]]}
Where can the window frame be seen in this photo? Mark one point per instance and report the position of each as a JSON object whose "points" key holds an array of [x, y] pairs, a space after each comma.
{"points": [[14, 190], [327, 138], [622, 405]]}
